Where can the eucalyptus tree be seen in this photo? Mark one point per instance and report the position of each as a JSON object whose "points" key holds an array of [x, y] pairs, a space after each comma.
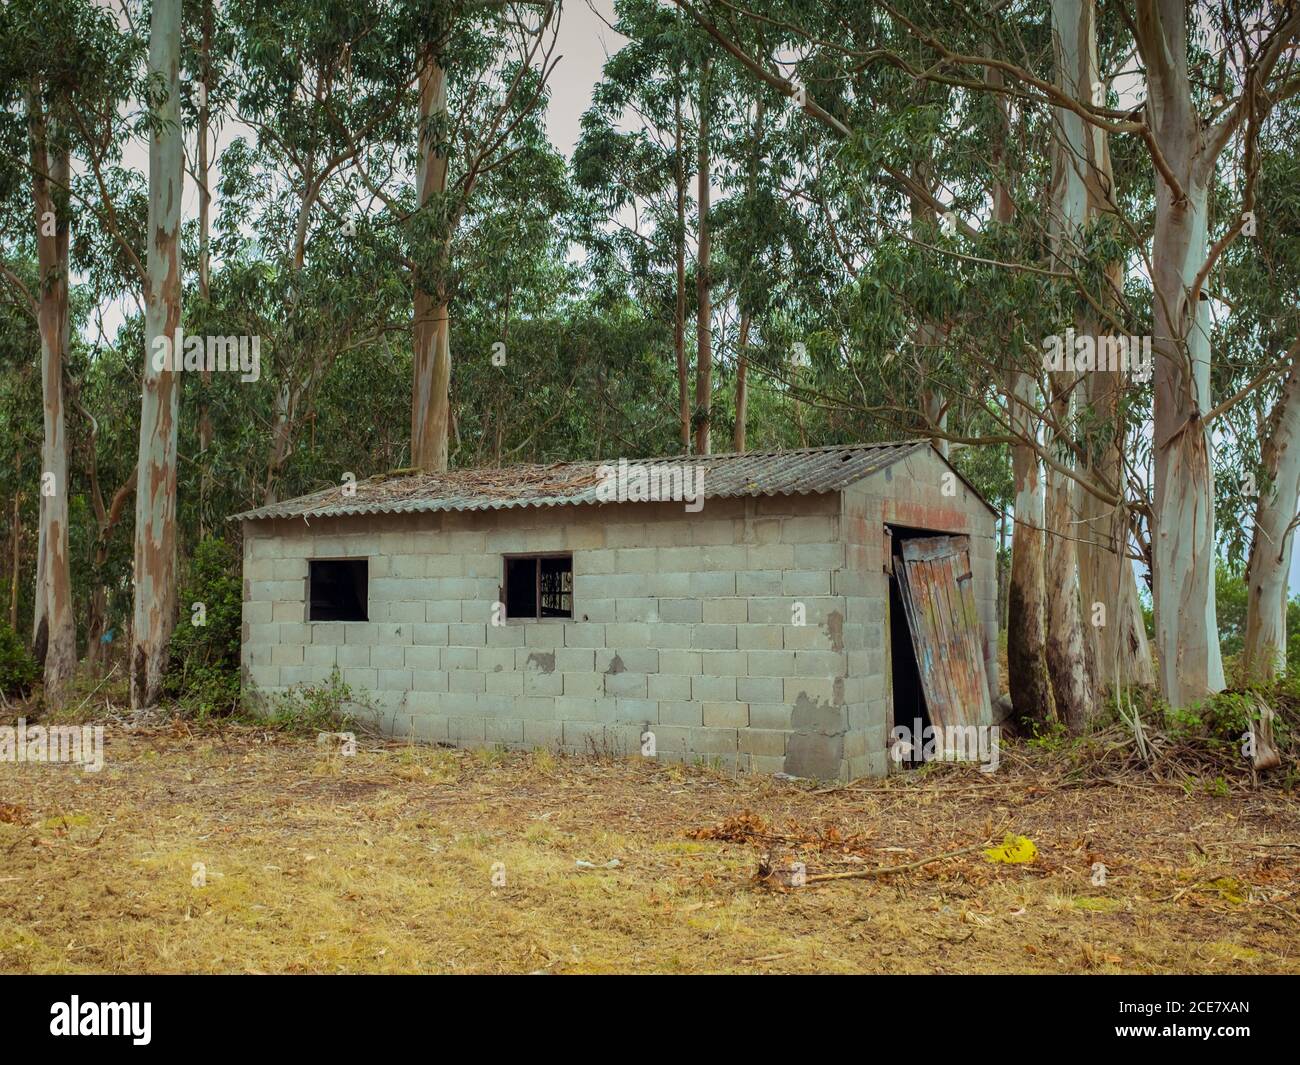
{"points": [[1261, 333], [636, 156], [154, 615], [1209, 80], [481, 69], [58, 62]]}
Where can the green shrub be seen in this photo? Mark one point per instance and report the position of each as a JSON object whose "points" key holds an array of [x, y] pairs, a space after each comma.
{"points": [[311, 708], [203, 675], [18, 670]]}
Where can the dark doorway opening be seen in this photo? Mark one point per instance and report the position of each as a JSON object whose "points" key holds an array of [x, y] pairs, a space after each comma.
{"points": [[909, 696], [909, 699]]}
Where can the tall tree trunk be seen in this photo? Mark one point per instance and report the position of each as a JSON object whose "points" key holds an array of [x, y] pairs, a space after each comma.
{"points": [[1115, 631], [1264, 653], [1068, 661], [155, 513], [1187, 630], [1120, 648], [1067, 651], [15, 551], [431, 388], [50, 165], [1027, 678], [742, 340], [41, 594], [205, 207], [679, 314], [742, 385], [703, 281]]}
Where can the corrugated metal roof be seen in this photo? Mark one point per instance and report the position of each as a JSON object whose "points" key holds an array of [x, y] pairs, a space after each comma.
{"points": [[755, 473]]}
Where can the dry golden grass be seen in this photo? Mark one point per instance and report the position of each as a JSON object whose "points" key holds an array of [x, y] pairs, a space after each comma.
{"points": [[383, 862]]}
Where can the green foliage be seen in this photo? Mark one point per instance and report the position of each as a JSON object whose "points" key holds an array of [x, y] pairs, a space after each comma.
{"points": [[311, 708], [18, 670], [1231, 599], [204, 670]]}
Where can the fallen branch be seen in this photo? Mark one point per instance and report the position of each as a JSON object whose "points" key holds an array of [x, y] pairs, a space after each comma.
{"points": [[766, 871]]}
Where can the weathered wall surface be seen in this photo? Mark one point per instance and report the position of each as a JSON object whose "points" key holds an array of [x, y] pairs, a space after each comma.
{"points": [[685, 625], [912, 494]]}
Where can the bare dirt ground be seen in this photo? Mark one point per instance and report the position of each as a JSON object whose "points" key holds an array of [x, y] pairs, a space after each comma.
{"points": [[243, 851]]}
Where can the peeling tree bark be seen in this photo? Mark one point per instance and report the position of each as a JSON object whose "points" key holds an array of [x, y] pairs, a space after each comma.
{"points": [[1264, 652], [703, 282], [155, 513], [1027, 678], [1113, 625], [54, 586], [1187, 630], [431, 388], [205, 205], [1073, 683], [679, 313]]}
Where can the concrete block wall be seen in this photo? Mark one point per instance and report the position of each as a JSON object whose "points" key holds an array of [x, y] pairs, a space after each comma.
{"points": [[685, 625], [913, 494]]}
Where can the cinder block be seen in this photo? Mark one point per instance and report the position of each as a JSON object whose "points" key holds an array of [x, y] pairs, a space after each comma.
{"points": [[771, 663], [770, 556], [545, 734], [636, 610], [504, 730], [286, 655], [818, 664], [293, 613], [577, 634], [723, 663], [504, 683], [803, 582], [629, 685], [632, 634], [714, 637], [467, 680], [579, 685], [809, 530], [683, 713], [713, 689], [685, 611], [726, 715], [257, 613], [727, 612], [633, 659], [760, 689], [428, 681], [394, 680], [388, 656], [442, 611], [682, 663], [713, 741], [467, 635], [361, 679], [422, 657], [454, 658], [665, 686], [760, 637], [770, 715], [765, 742]]}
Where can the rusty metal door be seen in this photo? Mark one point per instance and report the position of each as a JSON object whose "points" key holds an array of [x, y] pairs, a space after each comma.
{"points": [[939, 600]]}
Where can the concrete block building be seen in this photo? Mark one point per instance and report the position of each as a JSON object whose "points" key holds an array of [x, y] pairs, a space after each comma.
{"points": [[753, 620]]}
